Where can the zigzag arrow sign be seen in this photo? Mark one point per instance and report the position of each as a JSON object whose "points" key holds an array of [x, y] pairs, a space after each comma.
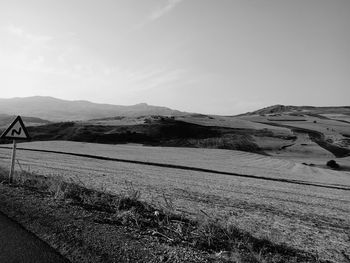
{"points": [[16, 130]]}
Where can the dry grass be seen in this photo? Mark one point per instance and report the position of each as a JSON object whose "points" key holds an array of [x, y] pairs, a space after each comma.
{"points": [[306, 218], [222, 160], [206, 232]]}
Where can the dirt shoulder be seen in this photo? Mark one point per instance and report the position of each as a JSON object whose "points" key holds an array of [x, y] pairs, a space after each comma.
{"points": [[87, 225], [81, 236]]}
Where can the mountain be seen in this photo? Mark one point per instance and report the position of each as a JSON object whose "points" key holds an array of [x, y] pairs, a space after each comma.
{"points": [[54, 109]]}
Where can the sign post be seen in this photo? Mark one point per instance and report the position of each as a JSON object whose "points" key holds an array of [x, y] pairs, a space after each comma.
{"points": [[13, 158], [15, 131]]}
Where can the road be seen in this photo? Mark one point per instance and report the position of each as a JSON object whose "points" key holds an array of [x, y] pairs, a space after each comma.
{"points": [[17, 245]]}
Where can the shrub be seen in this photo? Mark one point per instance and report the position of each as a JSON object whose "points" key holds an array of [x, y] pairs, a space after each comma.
{"points": [[333, 164]]}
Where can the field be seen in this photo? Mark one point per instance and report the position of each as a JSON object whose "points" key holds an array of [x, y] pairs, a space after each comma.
{"points": [[310, 218], [232, 122], [311, 135]]}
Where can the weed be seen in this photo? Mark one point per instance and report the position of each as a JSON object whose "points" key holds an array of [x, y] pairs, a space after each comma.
{"points": [[131, 192], [129, 218], [169, 206]]}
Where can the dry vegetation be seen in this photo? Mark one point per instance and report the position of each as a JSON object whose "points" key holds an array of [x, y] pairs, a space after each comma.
{"points": [[220, 160], [207, 233], [311, 219]]}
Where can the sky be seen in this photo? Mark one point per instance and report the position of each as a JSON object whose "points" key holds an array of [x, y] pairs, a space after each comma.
{"points": [[207, 56]]}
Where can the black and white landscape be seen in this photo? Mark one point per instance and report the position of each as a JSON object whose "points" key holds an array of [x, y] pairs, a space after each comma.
{"points": [[174, 131]]}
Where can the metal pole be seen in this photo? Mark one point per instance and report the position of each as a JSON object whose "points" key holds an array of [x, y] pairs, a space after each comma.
{"points": [[12, 169]]}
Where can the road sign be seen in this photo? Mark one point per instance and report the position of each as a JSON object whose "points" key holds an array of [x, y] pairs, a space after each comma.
{"points": [[16, 130]]}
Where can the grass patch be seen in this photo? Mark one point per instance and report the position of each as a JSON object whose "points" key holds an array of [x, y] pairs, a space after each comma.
{"points": [[207, 232]]}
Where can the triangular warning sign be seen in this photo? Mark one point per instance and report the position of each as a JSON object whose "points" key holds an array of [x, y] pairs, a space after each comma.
{"points": [[16, 130]]}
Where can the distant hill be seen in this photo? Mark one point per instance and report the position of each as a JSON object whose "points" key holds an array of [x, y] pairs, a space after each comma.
{"points": [[5, 120], [63, 110], [278, 109]]}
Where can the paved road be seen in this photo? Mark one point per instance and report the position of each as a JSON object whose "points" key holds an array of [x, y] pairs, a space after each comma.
{"points": [[17, 245]]}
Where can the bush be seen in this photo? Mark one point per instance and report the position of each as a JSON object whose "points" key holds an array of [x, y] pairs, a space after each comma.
{"points": [[333, 164]]}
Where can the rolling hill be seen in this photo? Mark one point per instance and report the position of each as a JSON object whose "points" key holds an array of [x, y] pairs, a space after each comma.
{"points": [[341, 112], [306, 134]]}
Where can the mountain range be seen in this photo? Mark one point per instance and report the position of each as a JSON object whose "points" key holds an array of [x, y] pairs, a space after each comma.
{"points": [[54, 109]]}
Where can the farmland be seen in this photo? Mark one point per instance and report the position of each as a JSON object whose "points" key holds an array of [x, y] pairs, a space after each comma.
{"points": [[284, 132], [310, 218]]}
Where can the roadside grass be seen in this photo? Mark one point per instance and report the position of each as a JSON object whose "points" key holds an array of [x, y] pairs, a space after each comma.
{"points": [[206, 232]]}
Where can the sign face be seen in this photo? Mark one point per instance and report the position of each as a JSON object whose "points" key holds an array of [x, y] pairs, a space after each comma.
{"points": [[16, 130]]}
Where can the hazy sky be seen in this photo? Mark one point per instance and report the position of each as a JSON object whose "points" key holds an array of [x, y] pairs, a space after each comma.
{"points": [[210, 56]]}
